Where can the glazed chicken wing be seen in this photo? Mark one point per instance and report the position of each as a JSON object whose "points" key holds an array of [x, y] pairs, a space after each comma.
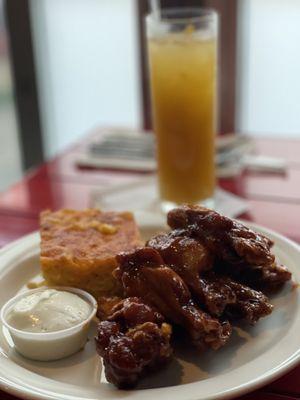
{"points": [[247, 304], [267, 278], [228, 239], [144, 274], [179, 250], [133, 340], [190, 259], [244, 254], [219, 295]]}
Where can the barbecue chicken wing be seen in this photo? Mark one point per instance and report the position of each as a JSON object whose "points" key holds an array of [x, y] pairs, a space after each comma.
{"points": [[143, 273], [218, 295], [243, 253], [132, 340]]}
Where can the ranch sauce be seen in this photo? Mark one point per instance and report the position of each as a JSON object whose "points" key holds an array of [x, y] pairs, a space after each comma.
{"points": [[48, 311]]}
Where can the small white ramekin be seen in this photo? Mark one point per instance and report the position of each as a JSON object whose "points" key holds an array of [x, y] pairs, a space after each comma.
{"points": [[48, 346]]}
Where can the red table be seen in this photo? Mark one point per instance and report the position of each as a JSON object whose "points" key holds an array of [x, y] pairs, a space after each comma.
{"points": [[274, 202]]}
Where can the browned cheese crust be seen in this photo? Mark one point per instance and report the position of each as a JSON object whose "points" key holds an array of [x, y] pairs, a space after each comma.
{"points": [[78, 248]]}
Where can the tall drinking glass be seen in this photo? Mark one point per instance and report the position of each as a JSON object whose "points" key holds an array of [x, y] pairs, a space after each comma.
{"points": [[182, 49]]}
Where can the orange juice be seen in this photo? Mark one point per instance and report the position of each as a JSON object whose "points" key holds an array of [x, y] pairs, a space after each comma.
{"points": [[183, 86]]}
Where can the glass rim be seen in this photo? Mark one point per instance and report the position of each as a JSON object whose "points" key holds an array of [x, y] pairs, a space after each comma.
{"points": [[198, 14]]}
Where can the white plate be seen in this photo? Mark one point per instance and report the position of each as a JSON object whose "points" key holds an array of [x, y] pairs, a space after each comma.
{"points": [[254, 356]]}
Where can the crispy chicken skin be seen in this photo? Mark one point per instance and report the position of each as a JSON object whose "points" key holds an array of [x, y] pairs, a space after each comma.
{"points": [[132, 340], [143, 273], [241, 252]]}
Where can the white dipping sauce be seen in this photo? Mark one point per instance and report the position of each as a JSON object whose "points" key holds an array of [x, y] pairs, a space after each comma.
{"points": [[48, 311]]}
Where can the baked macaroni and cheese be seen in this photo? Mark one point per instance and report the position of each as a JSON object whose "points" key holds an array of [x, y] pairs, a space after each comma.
{"points": [[78, 248]]}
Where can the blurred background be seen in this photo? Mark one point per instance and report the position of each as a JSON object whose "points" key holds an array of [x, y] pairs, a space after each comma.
{"points": [[67, 66]]}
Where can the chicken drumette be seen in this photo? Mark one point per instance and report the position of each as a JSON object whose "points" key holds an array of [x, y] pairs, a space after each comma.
{"points": [[219, 295], [143, 273], [240, 252], [132, 340]]}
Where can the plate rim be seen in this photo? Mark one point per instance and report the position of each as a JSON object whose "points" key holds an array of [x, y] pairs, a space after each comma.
{"points": [[291, 361]]}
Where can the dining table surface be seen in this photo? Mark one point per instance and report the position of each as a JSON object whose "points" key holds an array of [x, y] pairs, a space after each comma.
{"points": [[273, 201]]}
